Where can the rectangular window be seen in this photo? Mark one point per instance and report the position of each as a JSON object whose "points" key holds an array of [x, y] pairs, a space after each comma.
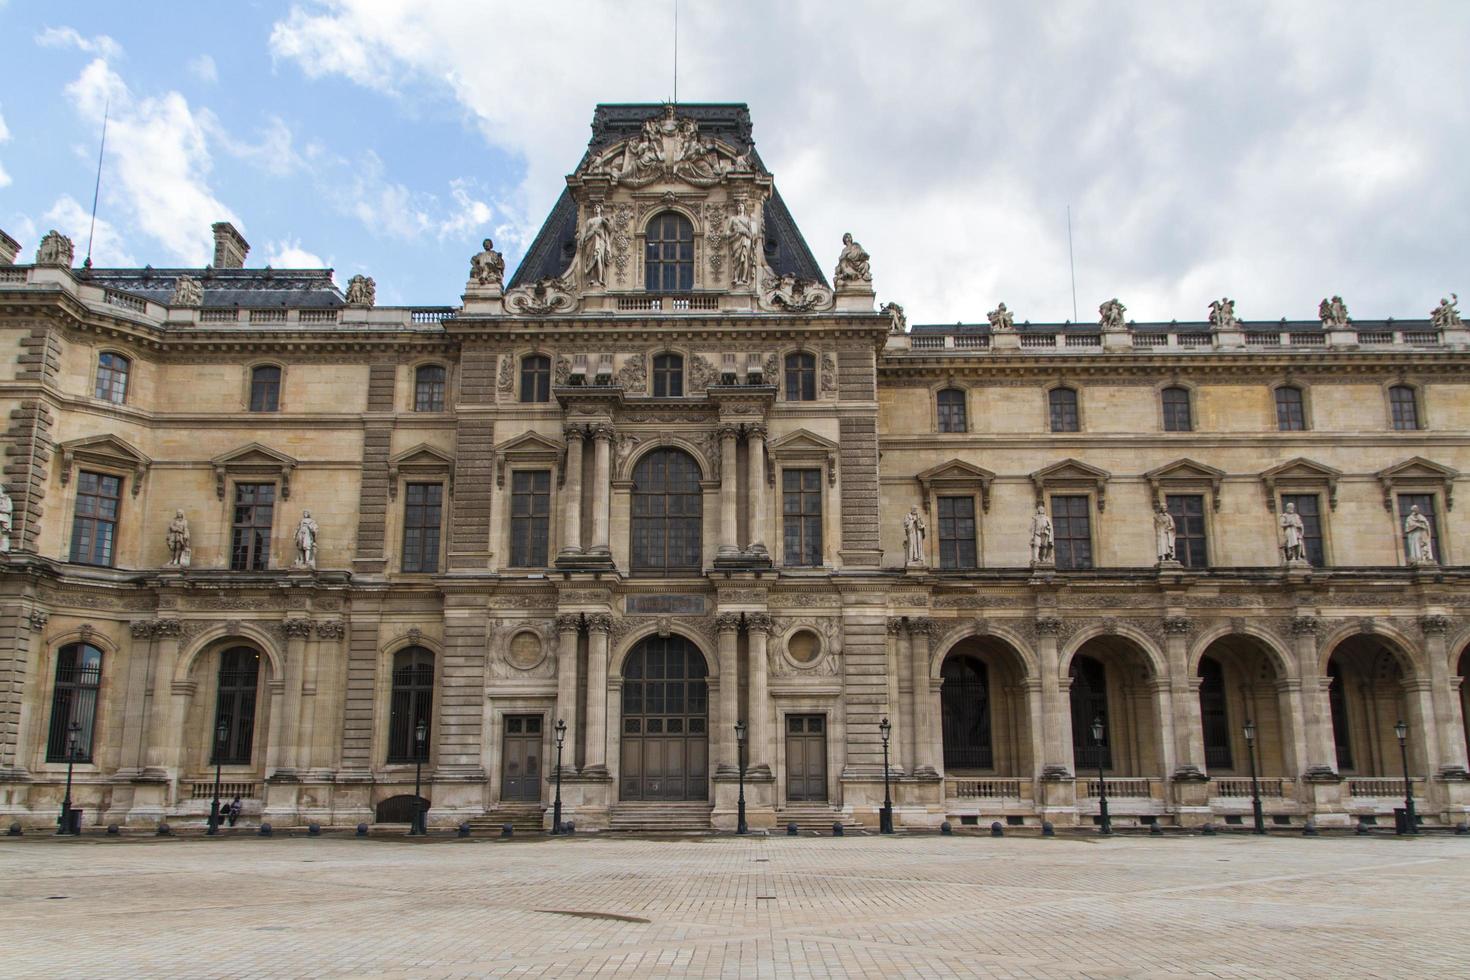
{"points": [[951, 404], [250, 540], [1425, 503], [1291, 410], [801, 515], [1188, 511], [530, 518], [1405, 403], [94, 523], [265, 389], [1072, 530], [1064, 414], [423, 507], [957, 532], [1177, 417], [1309, 509]]}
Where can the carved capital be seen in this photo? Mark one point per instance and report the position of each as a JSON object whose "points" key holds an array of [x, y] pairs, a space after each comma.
{"points": [[37, 619], [895, 625], [1048, 626], [758, 623], [755, 430], [1304, 625], [574, 431], [920, 626], [168, 627], [727, 430], [299, 628], [142, 629], [331, 629], [569, 623], [728, 622], [601, 430], [1178, 625], [1434, 625], [599, 623]]}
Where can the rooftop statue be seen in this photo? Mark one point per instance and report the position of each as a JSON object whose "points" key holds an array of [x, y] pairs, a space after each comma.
{"points": [[187, 292], [1333, 312], [1447, 313], [362, 291], [488, 267], [1001, 319], [900, 323], [55, 249], [1222, 314], [1111, 314], [852, 264]]}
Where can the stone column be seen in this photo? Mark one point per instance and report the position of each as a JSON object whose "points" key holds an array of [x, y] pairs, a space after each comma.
{"points": [[1188, 750], [571, 533], [728, 627], [920, 630], [568, 629], [893, 709], [602, 436], [133, 743], [599, 627], [729, 530], [1316, 712], [1448, 724], [755, 440], [1056, 761], [1293, 741], [757, 630], [287, 753]]}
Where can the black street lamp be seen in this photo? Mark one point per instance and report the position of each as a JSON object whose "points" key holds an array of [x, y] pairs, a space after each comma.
{"points": [[1106, 822], [1250, 744], [740, 826], [420, 736], [1411, 821], [561, 737], [885, 815], [221, 732], [73, 736]]}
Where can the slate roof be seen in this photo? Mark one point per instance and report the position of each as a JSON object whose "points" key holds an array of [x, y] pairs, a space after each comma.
{"points": [[245, 289], [554, 246], [1180, 326]]}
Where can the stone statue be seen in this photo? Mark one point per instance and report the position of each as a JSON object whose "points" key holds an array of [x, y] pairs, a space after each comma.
{"points": [[914, 530], [898, 322], [306, 538], [362, 291], [1164, 536], [1043, 541], [180, 551], [852, 264], [596, 247], [740, 232], [1417, 538], [1447, 313], [1111, 315], [488, 267], [1333, 312], [7, 513], [1001, 319], [1222, 314], [188, 291], [55, 249], [1293, 535]]}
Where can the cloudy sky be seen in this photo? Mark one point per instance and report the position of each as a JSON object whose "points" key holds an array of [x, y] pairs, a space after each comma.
{"points": [[1273, 152]]}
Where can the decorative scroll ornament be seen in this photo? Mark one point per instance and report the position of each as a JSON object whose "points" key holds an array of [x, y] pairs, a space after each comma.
{"points": [[702, 374], [668, 147], [794, 295], [550, 294], [633, 375], [621, 222]]}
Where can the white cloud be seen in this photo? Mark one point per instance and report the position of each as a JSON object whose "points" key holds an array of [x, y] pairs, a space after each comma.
{"points": [[67, 37], [288, 254], [203, 68], [469, 214], [274, 153], [74, 221], [4, 136]]}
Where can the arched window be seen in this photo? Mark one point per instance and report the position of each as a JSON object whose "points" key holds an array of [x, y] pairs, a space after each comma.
{"points": [[668, 376], [952, 418], [669, 253], [801, 377], [1404, 401], [1291, 409], [1090, 702], [1213, 717], [535, 378], [78, 678], [265, 388], [1063, 405], [1177, 415], [964, 702], [1337, 705], [412, 701], [234, 706], [112, 378], [666, 514], [428, 388]]}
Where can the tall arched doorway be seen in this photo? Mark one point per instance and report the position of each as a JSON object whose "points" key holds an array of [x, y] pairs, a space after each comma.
{"points": [[983, 712], [665, 745]]}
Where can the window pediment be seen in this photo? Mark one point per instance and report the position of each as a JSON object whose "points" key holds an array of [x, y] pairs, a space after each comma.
{"points": [[804, 446], [1417, 472], [1185, 472], [956, 475], [1299, 473], [528, 448], [108, 451], [422, 460], [254, 460], [1071, 474]]}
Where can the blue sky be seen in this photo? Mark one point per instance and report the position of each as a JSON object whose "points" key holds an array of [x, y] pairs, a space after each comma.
{"points": [[1275, 153]]}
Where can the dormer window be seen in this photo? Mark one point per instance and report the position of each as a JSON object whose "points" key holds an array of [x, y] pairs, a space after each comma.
{"points": [[669, 254], [668, 376]]}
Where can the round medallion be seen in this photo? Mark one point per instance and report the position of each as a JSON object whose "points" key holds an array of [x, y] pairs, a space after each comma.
{"points": [[525, 650], [804, 646]]}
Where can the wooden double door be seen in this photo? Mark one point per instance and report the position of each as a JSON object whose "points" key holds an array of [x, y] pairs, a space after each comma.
{"points": [[806, 758], [520, 760], [665, 739]]}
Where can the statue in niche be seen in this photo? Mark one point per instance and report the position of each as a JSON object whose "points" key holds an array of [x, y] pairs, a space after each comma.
{"points": [[1222, 314], [180, 550], [362, 291], [852, 264], [1164, 534], [914, 530], [488, 267], [740, 232], [1333, 312], [596, 247], [1001, 319], [1447, 313], [1111, 314], [306, 540], [1418, 538], [7, 515], [187, 292], [1043, 539], [1293, 535]]}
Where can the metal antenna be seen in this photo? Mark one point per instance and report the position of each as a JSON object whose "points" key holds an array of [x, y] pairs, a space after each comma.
{"points": [[106, 109], [1071, 263], [676, 52]]}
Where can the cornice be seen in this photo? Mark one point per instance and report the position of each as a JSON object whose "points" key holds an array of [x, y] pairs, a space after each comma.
{"points": [[1306, 364]]}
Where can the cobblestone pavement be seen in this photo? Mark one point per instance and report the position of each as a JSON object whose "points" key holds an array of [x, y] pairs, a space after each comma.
{"points": [[929, 906]]}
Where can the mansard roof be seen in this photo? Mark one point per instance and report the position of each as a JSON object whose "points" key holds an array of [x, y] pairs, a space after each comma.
{"points": [[556, 243], [246, 289]]}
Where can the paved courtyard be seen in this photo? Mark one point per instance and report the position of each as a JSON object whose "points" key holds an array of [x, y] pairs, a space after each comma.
{"points": [[1225, 906]]}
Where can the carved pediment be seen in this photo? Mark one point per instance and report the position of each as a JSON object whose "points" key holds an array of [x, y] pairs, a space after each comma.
{"points": [[1416, 471], [668, 148], [421, 460], [1300, 472], [804, 445], [1071, 474], [956, 475], [253, 460], [527, 448], [1185, 471], [107, 451]]}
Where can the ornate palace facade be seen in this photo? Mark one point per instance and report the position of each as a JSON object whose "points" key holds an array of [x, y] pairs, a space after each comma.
{"points": [[669, 477]]}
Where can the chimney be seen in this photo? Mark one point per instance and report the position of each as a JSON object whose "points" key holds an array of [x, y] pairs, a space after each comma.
{"points": [[230, 247], [9, 249]]}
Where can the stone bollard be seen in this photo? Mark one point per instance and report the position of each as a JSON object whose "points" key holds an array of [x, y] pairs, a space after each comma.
{"points": [[1461, 829], [997, 829], [837, 830], [113, 830], [1208, 830], [1155, 829], [464, 830], [1361, 829], [506, 830], [15, 829], [792, 830], [1047, 830], [362, 830], [946, 829], [265, 830], [313, 830], [164, 830], [569, 828]]}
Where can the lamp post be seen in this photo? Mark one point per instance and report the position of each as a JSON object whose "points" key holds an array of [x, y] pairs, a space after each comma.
{"points": [[561, 737], [740, 825], [1410, 819], [221, 732], [73, 735], [420, 737], [1250, 744], [1106, 824], [885, 815]]}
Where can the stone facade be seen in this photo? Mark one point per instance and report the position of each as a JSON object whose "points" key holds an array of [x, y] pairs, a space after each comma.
{"points": [[528, 506]]}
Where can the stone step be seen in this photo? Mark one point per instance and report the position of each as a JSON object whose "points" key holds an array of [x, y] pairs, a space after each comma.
{"points": [[529, 819], [660, 817], [814, 819]]}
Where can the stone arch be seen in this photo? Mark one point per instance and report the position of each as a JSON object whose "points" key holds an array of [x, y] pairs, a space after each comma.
{"points": [[1025, 655], [1408, 654], [219, 637], [676, 207], [1281, 660], [668, 440], [625, 646], [1152, 656]]}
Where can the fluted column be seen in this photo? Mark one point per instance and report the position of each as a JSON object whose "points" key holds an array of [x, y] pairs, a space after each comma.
{"points": [[599, 626], [1056, 707], [893, 710], [1316, 706], [1188, 748], [285, 754], [728, 627], [919, 632], [601, 487], [568, 628], [729, 531], [1446, 720], [755, 440], [757, 629], [571, 533]]}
